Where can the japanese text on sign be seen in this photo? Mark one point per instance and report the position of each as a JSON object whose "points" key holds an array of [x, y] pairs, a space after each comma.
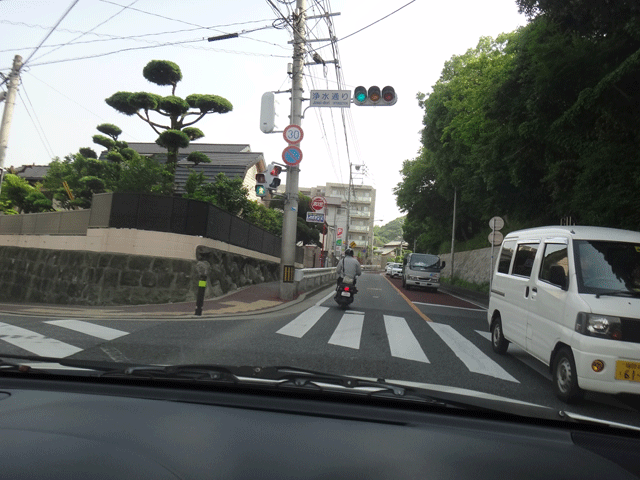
{"points": [[330, 98]]}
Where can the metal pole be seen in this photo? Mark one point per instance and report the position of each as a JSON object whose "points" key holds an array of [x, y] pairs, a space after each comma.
{"points": [[10, 102], [346, 235], [290, 219], [453, 229]]}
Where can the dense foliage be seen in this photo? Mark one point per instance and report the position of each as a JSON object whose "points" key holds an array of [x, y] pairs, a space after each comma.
{"points": [[538, 125], [18, 196], [388, 232]]}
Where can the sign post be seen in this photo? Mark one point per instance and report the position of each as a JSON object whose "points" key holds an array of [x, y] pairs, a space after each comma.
{"points": [[495, 238]]}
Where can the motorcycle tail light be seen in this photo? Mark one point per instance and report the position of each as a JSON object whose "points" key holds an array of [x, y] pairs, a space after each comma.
{"points": [[346, 289]]}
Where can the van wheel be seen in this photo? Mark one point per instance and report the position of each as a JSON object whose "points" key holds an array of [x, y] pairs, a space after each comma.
{"points": [[565, 377], [498, 342]]}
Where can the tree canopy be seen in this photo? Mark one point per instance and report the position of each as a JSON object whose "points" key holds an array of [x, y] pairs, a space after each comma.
{"points": [[175, 113], [538, 125]]}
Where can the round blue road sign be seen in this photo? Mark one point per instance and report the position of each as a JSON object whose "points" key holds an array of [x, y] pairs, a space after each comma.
{"points": [[292, 155]]}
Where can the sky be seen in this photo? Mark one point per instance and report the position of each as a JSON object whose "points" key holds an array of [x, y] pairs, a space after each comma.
{"points": [[101, 46]]}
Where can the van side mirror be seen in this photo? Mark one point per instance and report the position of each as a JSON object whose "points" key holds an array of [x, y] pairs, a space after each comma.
{"points": [[557, 276], [442, 265]]}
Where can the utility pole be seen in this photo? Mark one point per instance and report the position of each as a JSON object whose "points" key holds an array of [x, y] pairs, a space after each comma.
{"points": [[290, 219], [453, 229], [10, 102]]}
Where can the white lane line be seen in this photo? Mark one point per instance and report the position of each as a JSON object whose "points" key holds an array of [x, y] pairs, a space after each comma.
{"points": [[471, 356], [486, 335], [402, 342], [479, 309], [303, 322], [348, 331], [34, 342], [105, 333]]}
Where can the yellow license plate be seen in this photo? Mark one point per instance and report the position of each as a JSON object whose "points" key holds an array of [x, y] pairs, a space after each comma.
{"points": [[628, 371]]}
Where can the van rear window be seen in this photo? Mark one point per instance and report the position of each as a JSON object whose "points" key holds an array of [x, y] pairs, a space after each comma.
{"points": [[525, 255], [505, 256]]}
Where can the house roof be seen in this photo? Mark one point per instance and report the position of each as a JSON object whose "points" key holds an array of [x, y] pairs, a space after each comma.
{"points": [[232, 165], [147, 148], [32, 173]]}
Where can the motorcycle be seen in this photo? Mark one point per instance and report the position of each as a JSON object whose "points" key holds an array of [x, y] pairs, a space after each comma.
{"points": [[345, 292]]}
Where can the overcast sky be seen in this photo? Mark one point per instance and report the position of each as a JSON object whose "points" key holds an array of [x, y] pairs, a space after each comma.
{"points": [[86, 59]]}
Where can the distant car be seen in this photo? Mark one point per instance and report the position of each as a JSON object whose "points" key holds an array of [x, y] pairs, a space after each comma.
{"points": [[394, 269]]}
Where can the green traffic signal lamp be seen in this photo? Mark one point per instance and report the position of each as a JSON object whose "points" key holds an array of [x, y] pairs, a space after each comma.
{"points": [[360, 95]]}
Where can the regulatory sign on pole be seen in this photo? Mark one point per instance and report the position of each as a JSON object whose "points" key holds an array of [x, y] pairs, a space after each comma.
{"points": [[496, 223], [315, 217], [495, 238], [318, 203], [292, 155], [293, 134]]}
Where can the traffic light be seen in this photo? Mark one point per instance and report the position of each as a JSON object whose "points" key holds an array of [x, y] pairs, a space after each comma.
{"points": [[373, 96], [271, 176], [261, 185]]}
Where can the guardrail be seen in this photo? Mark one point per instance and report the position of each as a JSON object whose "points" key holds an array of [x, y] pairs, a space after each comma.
{"points": [[309, 278]]}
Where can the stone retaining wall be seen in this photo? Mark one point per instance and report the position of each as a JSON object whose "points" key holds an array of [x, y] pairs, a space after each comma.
{"points": [[100, 278], [471, 266]]}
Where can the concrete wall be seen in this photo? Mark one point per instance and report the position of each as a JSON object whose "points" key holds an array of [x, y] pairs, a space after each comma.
{"points": [[472, 266]]}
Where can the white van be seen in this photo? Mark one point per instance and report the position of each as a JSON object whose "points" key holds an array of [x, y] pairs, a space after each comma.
{"points": [[570, 296], [421, 270]]}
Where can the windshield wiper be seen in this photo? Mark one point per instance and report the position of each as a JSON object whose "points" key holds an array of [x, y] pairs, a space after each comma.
{"points": [[618, 293]]}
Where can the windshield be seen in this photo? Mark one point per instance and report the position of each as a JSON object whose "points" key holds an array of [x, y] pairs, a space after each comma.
{"points": [[608, 266], [423, 262], [256, 184]]}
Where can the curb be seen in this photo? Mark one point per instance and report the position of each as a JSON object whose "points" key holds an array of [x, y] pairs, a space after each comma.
{"points": [[150, 316]]}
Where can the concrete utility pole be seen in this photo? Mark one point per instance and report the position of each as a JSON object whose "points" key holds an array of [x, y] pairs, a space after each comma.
{"points": [[10, 102], [290, 219]]}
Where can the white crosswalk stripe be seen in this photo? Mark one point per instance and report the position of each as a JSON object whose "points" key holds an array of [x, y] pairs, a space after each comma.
{"points": [[401, 340], [348, 331], [92, 329], [471, 356], [303, 322], [37, 344]]}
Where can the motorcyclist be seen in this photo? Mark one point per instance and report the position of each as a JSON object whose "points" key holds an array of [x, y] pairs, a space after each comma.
{"points": [[348, 266]]}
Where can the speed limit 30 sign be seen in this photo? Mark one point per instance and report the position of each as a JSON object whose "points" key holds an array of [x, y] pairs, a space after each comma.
{"points": [[293, 134]]}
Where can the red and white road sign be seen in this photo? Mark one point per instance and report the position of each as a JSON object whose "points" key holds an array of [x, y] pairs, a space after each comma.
{"points": [[318, 203], [339, 232], [293, 134]]}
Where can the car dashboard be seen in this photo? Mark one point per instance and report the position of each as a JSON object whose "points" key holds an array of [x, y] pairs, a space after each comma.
{"points": [[70, 428]]}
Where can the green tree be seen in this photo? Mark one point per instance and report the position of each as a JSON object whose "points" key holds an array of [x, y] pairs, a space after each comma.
{"points": [[18, 196], [227, 193], [178, 113]]}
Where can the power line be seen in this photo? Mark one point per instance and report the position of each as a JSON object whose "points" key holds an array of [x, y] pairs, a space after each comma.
{"points": [[85, 33], [45, 141], [50, 32], [181, 43]]}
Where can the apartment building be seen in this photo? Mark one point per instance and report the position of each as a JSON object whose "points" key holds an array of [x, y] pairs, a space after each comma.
{"points": [[361, 216]]}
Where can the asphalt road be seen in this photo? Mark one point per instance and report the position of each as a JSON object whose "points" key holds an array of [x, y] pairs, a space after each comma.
{"points": [[417, 336]]}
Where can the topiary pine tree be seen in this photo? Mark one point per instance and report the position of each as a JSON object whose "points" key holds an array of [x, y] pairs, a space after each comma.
{"points": [[179, 112]]}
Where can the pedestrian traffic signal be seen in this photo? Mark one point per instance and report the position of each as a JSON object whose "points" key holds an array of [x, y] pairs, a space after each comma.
{"points": [[373, 96], [261, 185], [271, 176]]}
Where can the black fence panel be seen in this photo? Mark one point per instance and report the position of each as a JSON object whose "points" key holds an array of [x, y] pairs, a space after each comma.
{"points": [[239, 232], [299, 254], [256, 237], [154, 213], [124, 210], [219, 224], [191, 217], [271, 245], [197, 218], [179, 211]]}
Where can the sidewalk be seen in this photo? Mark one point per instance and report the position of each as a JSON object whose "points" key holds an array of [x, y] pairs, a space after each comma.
{"points": [[262, 297]]}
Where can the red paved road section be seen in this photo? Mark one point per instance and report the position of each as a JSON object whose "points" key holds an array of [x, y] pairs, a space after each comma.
{"points": [[424, 296]]}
